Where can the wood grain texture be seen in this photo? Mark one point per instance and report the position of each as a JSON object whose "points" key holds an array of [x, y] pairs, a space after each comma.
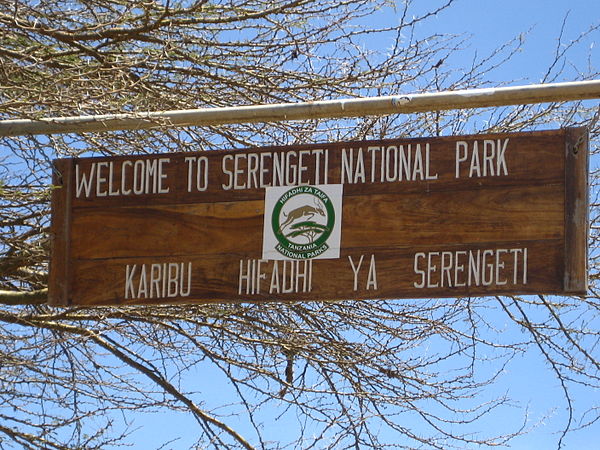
{"points": [[216, 279], [532, 158], [576, 211], [494, 215], [59, 279], [113, 249]]}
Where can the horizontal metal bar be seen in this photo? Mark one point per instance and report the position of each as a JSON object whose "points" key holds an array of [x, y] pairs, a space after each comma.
{"points": [[393, 104]]}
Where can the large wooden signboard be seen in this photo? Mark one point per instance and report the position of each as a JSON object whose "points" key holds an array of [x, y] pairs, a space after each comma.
{"points": [[397, 218]]}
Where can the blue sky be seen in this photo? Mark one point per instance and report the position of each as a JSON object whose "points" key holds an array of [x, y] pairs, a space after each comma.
{"points": [[488, 24], [492, 23]]}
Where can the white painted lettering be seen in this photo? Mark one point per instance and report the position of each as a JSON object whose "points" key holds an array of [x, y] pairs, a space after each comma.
{"points": [[500, 267], [372, 277], [253, 167], [474, 268], [355, 269], [84, 184], [190, 161], [202, 174], [111, 191], [291, 173], [185, 292], [459, 268], [418, 271], [143, 283], [263, 169], [244, 277], [359, 173], [301, 167], [391, 162], [227, 172], [173, 278], [151, 177], [326, 168], [101, 179], [524, 265], [373, 150], [260, 275], [155, 278], [274, 285], [460, 156], [238, 171], [501, 168], [199, 167], [124, 190], [139, 172], [431, 269], [428, 175], [487, 158], [279, 169], [304, 275], [466, 268], [404, 165], [487, 268], [446, 267], [286, 289], [347, 165], [318, 155], [489, 152], [475, 168], [129, 274], [418, 164]]}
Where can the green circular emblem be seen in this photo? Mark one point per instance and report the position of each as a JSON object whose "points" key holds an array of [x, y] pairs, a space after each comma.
{"points": [[302, 221]]}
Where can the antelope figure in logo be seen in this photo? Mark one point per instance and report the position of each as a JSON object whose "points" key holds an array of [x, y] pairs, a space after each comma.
{"points": [[307, 211]]}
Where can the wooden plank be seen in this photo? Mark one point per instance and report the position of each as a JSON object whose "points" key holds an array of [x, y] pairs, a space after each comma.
{"points": [[576, 211], [396, 271], [382, 220], [523, 156], [427, 217], [60, 234]]}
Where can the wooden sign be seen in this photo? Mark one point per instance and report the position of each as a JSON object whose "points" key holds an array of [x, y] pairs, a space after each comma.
{"points": [[397, 218]]}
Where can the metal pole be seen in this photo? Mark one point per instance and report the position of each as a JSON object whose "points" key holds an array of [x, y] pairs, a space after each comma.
{"points": [[393, 104]]}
